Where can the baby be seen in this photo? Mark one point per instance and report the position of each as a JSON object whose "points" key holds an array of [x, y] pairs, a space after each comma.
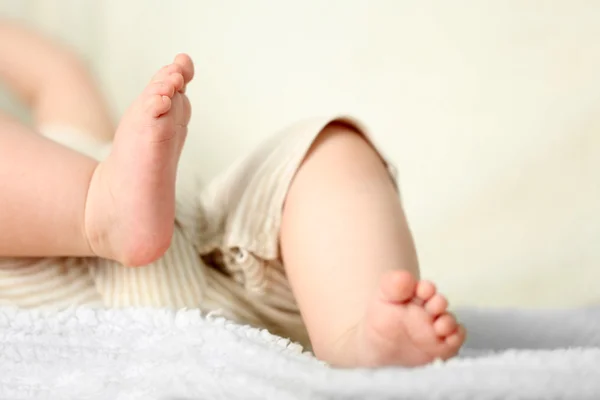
{"points": [[305, 237]]}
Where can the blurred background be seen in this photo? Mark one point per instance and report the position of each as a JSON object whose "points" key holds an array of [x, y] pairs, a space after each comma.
{"points": [[490, 111]]}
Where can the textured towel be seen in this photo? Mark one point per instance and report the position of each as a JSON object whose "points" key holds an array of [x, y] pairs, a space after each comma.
{"points": [[160, 354]]}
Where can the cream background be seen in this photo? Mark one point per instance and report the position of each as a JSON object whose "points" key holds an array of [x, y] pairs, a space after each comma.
{"points": [[489, 109]]}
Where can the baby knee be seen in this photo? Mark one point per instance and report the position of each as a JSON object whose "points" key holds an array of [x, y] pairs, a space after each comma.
{"points": [[341, 144]]}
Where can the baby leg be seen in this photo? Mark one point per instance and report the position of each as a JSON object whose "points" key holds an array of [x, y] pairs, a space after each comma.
{"points": [[128, 199], [44, 189], [44, 185], [53, 82], [352, 265], [57, 202]]}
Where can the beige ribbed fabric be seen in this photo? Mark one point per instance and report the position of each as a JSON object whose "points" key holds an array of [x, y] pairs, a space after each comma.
{"points": [[224, 255]]}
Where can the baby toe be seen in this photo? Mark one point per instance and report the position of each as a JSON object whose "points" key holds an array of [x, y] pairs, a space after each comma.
{"points": [[445, 325], [162, 73], [176, 80], [437, 305], [397, 286], [456, 339], [187, 66], [425, 290], [157, 105], [161, 88]]}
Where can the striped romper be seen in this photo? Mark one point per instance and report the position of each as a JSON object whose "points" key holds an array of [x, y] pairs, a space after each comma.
{"points": [[224, 254]]}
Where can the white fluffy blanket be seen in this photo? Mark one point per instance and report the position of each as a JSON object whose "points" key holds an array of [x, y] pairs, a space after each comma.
{"points": [[160, 354]]}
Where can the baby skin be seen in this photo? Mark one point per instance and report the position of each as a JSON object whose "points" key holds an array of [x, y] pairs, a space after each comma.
{"points": [[121, 222], [344, 239], [408, 324], [406, 321]]}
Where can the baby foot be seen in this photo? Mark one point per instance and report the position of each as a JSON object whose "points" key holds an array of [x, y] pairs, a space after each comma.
{"points": [[130, 208], [407, 324]]}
